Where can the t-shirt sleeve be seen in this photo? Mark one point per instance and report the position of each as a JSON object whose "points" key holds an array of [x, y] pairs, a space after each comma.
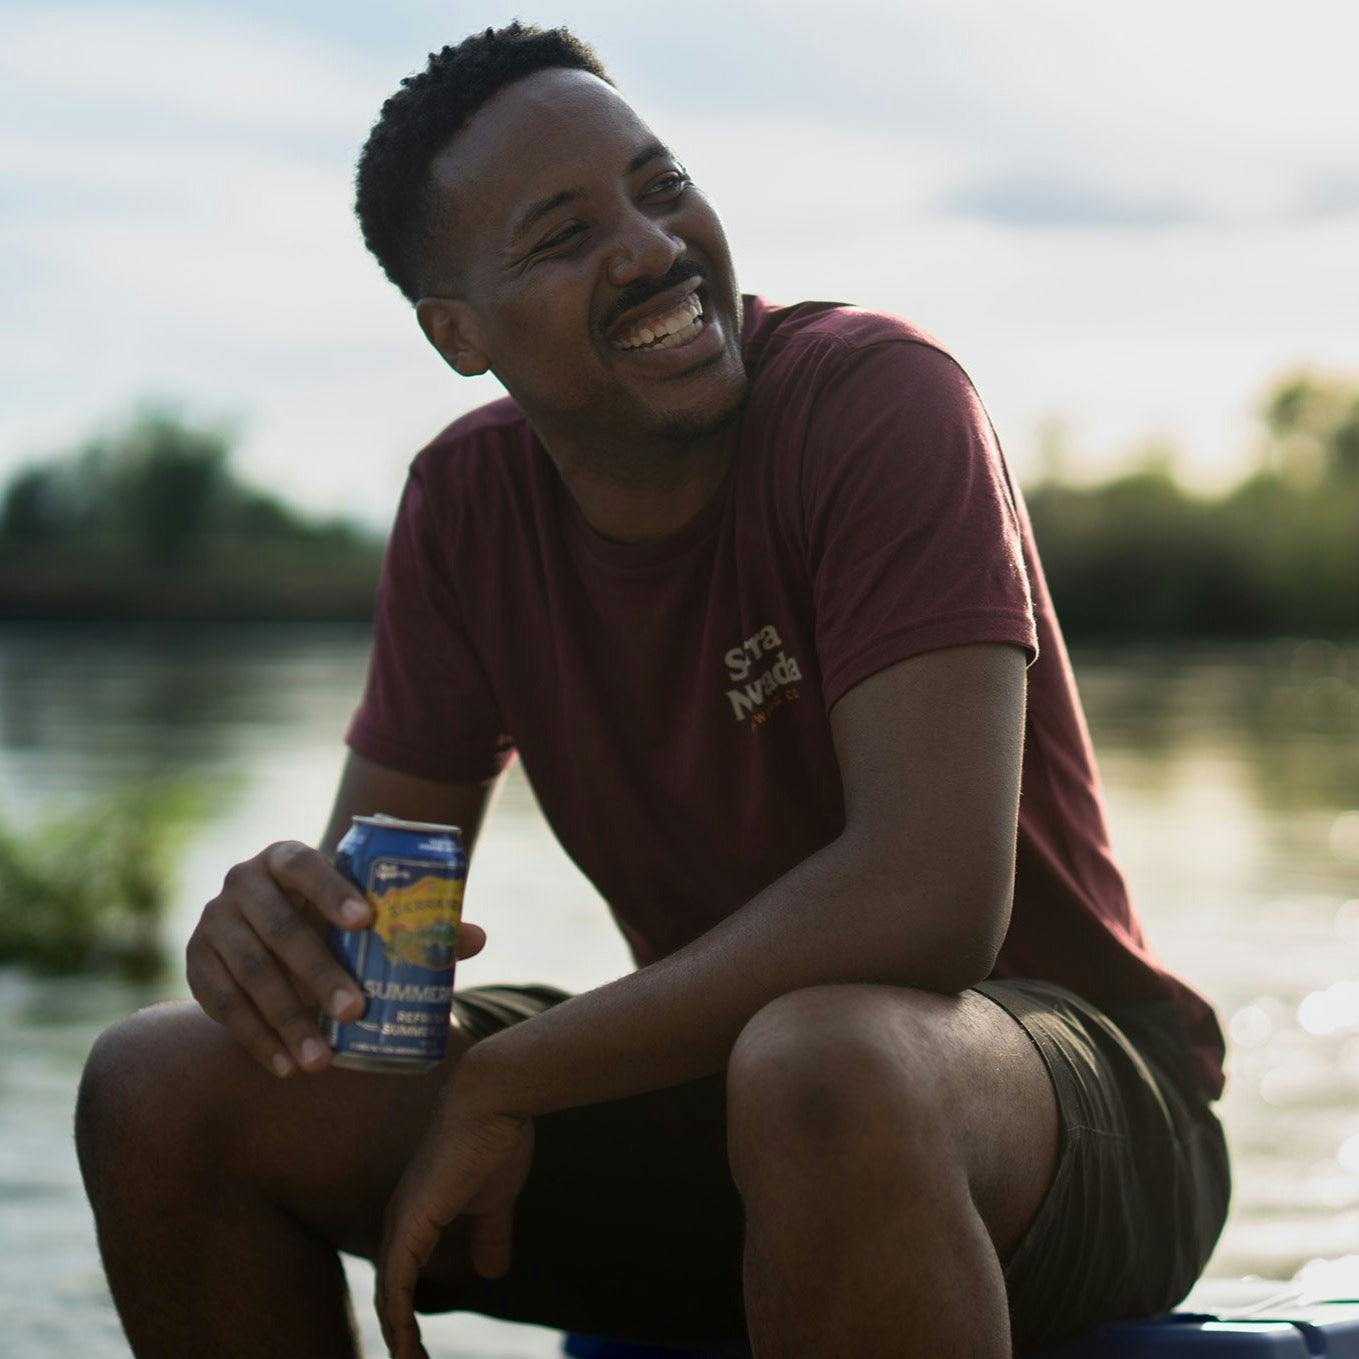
{"points": [[912, 531], [427, 708]]}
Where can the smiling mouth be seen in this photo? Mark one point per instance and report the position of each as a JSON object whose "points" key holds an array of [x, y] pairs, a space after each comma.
{"points": [[672, 328]]}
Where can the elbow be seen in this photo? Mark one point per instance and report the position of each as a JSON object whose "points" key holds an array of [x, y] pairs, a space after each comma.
{"points": [[989, 938], [959, 971], [965, 952], [940, 931]]}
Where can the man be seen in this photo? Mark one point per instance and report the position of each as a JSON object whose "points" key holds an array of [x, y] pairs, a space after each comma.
{"points": [[751, 593]]}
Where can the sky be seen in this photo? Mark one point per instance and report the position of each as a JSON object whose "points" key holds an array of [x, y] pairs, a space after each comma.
{"points": [[1125, 222]]}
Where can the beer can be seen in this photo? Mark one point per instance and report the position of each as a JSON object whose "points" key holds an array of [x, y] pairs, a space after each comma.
{"points": [[412, 874]]}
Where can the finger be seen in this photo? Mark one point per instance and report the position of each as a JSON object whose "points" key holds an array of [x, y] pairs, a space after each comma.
{"points": [[399, 1268], [299, 868], [492, 1239], [471, 940], [221, 999], [288, 936], [259, 975]]}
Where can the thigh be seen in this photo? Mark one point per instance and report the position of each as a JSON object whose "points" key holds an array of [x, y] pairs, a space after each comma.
{"points": [[168, 1088], [1140, 1191], [828, 1068], [629, 1224], [331, 1149]]}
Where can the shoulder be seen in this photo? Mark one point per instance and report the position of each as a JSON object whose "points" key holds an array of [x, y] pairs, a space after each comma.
{"points": [[826, 377], [812, 353], [482, 460], [489, 431], [806, 330]]}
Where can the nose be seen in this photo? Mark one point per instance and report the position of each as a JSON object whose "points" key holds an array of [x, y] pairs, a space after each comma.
{"points": [[643, 249]]}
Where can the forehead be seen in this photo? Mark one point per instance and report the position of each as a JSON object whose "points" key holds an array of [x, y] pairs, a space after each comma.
{"points": [[551, 131]]}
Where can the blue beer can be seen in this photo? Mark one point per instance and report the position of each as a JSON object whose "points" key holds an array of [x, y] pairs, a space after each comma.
{"points": [[412, 875]]}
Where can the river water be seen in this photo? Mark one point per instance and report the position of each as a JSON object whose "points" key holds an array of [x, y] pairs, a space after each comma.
{"points": [[1232, 780]]}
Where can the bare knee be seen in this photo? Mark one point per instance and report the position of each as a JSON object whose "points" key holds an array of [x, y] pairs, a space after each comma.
{"points": [[146, 1098], [830, 1071]]}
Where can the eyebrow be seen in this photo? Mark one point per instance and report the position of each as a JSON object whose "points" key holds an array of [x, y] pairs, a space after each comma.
{"points": [[535, 212]]}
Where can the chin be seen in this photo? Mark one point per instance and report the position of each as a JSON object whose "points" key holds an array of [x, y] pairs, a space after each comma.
{"points": [[694, 425]]}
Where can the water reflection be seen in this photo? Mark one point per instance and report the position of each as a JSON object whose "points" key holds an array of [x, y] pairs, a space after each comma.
{"points": [[1232, 778], [83, 708], [1287, 712]]}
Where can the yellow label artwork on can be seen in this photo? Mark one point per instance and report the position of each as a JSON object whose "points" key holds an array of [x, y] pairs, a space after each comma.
{"points": [[415, 912]]}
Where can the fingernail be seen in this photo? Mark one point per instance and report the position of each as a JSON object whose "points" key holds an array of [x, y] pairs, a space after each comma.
{"points": [[282, 1066], [354, 912], [341, 1001], [312, 1050]]}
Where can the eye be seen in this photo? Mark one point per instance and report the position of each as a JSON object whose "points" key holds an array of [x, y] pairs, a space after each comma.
{"points": [[561, 238], [672, 182]]}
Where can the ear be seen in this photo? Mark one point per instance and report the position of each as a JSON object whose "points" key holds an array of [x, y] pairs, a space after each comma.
{"points": [[451, 328]]}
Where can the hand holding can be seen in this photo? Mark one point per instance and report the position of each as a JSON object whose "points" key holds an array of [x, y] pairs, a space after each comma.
{"points": [[258, 962]]}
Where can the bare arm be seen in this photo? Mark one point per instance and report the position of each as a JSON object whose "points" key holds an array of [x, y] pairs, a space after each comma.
{"points": [[366, 787], [257, 962], [916, 891]]}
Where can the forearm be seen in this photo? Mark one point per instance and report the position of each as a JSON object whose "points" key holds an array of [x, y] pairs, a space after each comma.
{"points": [[829, 919]]}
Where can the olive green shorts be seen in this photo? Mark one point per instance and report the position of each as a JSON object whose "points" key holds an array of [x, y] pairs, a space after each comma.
{"points": [[630, 1226]]}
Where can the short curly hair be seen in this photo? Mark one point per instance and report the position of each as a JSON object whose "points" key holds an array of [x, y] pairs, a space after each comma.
{"points": [[396, 209]]}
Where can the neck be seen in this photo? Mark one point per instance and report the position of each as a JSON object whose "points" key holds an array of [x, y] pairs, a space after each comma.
{"points": [[640, 494]]}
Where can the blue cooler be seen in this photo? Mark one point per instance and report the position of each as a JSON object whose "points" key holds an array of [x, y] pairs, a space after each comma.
{"points": [[1231, 1319]]}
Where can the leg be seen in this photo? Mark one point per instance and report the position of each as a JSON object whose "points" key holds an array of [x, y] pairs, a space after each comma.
{"points": [[891, 1147], [222, 1194]]}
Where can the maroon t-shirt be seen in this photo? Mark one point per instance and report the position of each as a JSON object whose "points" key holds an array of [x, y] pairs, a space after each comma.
{"points": [[669, 699]]}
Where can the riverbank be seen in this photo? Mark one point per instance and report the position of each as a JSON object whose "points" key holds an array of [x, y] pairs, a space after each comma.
{"points": [[251, 587]]}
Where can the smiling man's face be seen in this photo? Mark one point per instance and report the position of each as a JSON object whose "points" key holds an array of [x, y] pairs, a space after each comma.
{"points": [[584, 269]]}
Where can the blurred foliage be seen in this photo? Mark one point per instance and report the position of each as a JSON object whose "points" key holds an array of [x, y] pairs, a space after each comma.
{"points": [[1140, 557], [149, 520], [86, 891]]}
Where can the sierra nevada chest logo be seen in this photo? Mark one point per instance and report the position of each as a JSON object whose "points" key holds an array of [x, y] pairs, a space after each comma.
{"points": [[764, 675]]}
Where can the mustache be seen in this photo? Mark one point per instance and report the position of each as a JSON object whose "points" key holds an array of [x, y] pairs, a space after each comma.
{"points": [[640, 293]]}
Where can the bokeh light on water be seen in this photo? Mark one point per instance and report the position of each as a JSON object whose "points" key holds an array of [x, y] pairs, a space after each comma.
{"points": [[1232, 778]]}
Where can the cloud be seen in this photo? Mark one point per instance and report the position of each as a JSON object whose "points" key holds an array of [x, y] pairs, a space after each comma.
{"points": [[1152, 114], [168, 70], [1331, 196], [1063, 191], [1037, 201], [177, 219]]}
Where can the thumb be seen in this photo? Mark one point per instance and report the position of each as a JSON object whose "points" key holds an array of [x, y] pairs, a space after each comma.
{"points": [[471, 940], [491, 1241]]}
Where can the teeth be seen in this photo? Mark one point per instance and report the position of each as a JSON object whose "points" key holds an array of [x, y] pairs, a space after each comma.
{"points": [[681, 322], [677, 337]]}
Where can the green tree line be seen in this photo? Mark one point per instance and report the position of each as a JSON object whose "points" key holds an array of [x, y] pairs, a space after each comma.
{"points": [[150, 521], [1140, 557]]}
